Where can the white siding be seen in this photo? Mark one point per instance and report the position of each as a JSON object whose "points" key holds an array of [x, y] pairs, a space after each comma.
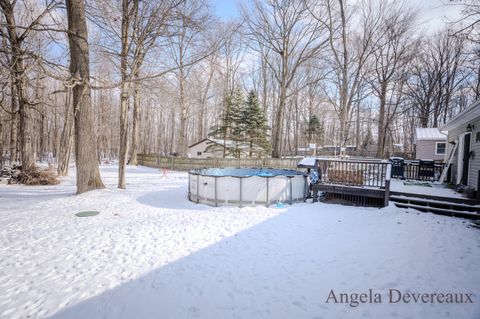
{"points": [[201, 147], [475, 161], [474, 166], [426, 150]]}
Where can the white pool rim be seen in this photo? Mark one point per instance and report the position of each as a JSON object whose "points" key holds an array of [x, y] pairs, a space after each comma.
{"points": [[205, 186]]}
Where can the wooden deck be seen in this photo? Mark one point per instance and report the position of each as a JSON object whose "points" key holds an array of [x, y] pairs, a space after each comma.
{"points": [[368, 183], [361, 183]]}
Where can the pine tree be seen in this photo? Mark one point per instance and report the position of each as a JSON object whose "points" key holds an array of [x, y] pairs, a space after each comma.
{"points": [[231, 126], [368, 140], [314, 130], [255, 126]]}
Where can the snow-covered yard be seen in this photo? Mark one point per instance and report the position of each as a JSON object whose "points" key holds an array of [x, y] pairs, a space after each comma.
{"points": [[153, 254]]}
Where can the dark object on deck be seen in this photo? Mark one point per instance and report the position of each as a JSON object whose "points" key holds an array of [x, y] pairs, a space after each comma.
{"points": [[426, 170], [398, 167], [470, 193]]}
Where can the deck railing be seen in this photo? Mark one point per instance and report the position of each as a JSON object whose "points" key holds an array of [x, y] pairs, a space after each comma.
{"points": [[412, 168], [363, 183], [354, 173]]}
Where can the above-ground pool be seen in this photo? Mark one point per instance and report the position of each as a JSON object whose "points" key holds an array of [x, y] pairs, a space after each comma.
{"points": [[246, 186]]}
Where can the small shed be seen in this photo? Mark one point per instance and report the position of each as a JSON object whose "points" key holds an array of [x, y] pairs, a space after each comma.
{"points": [[464, 135], [430, 143]]}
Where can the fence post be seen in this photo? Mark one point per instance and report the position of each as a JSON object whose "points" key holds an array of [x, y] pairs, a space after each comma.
{"points": [[240, 190], [198, 188], [189, 194], [291, 189], [388, 175], [267, 191], [216, 203]]}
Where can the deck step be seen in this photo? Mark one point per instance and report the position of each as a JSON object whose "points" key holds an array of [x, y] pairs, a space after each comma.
{"points": [[438, 205], [444, 203], [464, 201], [441, 211]]}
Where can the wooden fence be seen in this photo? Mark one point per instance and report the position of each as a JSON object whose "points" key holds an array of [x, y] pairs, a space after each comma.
{"points": [[185, 164]]}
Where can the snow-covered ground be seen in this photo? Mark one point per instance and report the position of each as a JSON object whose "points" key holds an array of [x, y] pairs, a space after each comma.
{"points": [[153, 254], [416, 187]]}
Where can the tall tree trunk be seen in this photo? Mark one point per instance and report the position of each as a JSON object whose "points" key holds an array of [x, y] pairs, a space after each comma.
{"points": [[182, 147], [88, 175], [279, 115], [26, 143], [202, 118], [13, 127], [136, 123], [357, 129], [137, 105], [124, 97], [381, 121], [1, 145], [66, 141]]}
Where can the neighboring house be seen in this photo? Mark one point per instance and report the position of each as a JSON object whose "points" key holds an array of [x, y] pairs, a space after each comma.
{"points": [[464, 131], [210, 147], [430, 143]]}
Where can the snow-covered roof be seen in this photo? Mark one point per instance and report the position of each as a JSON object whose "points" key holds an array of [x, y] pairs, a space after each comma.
{"points": [[468, 115], [227, 143], [429, 134]]}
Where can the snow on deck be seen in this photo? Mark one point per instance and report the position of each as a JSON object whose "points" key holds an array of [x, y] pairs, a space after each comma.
{"points": [[153, 254], [397, 185]]}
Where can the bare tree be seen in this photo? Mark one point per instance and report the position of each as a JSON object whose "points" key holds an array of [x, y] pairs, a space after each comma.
{"points": [[285, 30], [17, 36], [67, 137], [149, 25], [88, 175], [351, 45], [188, 30], [391, 55], [435, 76]]}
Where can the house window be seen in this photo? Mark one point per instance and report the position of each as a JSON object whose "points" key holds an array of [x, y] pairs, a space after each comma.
{"points": [[440, 148], [199, 153]]}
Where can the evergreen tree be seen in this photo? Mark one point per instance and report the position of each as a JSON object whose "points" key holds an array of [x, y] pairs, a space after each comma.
{"points": [[314, 130], [254, 124], [368, 139], [231, 126]]}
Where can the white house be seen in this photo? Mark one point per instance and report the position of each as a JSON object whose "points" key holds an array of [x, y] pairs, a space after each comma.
{"points": [[464, 133], [430, 143], [210, 147]]}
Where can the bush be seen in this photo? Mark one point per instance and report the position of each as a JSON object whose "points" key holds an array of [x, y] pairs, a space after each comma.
{"points": [[37, 177]]}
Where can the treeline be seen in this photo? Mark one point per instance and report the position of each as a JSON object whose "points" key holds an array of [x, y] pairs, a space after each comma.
{"points": [[155, 76]]}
